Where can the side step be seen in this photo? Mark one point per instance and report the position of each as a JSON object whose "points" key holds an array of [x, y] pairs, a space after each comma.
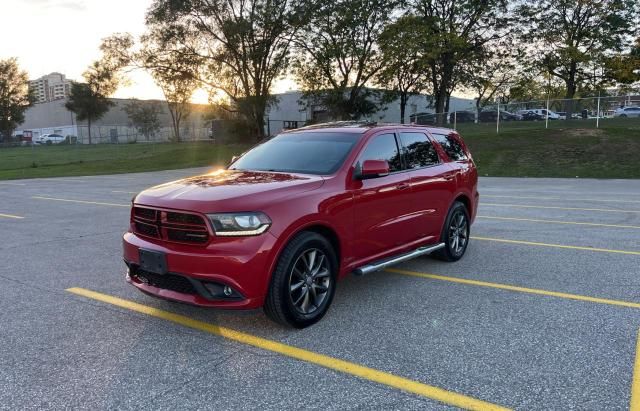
{"points": [[379, 265]]}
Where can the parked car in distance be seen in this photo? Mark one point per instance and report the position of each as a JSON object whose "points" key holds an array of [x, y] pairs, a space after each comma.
{"points": [[627, 112], [289, 218], [49, 139], [492, 116], [542, 113], [530, 115], [423, 118], [462, 117]]}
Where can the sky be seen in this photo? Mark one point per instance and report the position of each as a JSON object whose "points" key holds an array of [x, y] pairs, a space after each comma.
{"points": [[64, 35]]}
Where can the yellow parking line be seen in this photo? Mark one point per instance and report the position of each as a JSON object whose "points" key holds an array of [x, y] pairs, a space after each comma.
{"points": [[80, 201], [562, 198], [635, 384], [535, 220], [515, 288], [11, 216], [572, 247], [608, 210], [414, 387]]}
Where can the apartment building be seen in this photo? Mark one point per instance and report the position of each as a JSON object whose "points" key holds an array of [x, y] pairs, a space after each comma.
{"points": [[51, 87]]}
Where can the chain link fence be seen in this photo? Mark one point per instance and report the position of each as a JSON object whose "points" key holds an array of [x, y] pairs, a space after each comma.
{"points": [[584, 113]]}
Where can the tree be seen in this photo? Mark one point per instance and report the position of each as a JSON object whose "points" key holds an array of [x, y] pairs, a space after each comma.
{"points": [[457, 32], [577, 36], [175, 75], [491, 78], [14, 97], [164, 59], [90, 100], [625, 68], [405, 72], [144, 116], [338, 55], [240, 46]]}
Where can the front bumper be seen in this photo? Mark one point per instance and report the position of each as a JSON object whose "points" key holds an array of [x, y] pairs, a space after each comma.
{"points": [[197, 275]]}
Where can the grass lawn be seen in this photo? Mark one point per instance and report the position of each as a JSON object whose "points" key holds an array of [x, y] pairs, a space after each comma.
{"points": [[572, 148], [79, 160]]}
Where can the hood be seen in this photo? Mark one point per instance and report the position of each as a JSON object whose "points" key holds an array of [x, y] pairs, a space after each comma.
{"points": [[228, 190]]}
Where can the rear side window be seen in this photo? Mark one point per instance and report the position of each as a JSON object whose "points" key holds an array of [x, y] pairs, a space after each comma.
{"points": [[383, 147], [418, 150], [452, 147]]}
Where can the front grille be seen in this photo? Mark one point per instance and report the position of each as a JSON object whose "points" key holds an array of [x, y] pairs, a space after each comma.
{"points": [[146, 229], [187, 236], [174, 226], [182, 218], [166, 281]]}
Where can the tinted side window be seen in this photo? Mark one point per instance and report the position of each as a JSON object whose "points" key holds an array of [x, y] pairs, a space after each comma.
{"points": [[418, 150], [451, 146], [383, 147]]}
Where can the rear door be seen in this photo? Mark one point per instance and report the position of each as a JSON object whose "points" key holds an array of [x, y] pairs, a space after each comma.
{"points": [[382, 205], [432, 183], [461, 162]]}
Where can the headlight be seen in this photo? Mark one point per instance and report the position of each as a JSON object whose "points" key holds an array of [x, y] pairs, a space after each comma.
{"points": [[239, 224]]}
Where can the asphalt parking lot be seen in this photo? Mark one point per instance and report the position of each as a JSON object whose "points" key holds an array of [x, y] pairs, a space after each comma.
{"points": [[543, 312]]}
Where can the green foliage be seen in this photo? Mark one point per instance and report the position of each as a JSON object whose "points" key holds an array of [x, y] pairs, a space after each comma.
{"points": [[14, 97], [457, 37], [625, 68], [240, 46], [337, 55], [87, 104], [576, 37], [174, 74], [144, 116], [90, 100], [405, 72]]}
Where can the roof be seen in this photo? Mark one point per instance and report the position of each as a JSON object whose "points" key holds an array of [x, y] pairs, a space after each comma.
{"points": [[363, 126]]}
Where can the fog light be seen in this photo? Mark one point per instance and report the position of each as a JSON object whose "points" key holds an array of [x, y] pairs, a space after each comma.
{"points": [[227, 290]]}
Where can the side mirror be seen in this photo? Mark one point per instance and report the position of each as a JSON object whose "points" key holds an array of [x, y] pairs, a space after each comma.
{"points": [[374, 169]]}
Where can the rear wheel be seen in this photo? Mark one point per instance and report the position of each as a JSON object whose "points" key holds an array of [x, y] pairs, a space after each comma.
{"points": [[303, 283], [455, 234]]}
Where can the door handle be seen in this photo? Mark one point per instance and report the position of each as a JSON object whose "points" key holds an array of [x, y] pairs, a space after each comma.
{"points": [[402, 186]]}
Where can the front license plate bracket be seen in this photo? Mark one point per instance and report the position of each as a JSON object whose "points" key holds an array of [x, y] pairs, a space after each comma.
{"points": [[153, 261]]}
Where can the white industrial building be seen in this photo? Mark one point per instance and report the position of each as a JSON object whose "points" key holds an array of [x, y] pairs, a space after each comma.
{"points": [[291, 111]]}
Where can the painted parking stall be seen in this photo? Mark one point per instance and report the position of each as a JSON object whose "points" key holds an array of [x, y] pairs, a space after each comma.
{"points": [[542, 313]]}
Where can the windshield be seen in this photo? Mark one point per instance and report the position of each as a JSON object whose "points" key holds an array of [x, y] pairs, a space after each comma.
{"points": [[308, 153]]}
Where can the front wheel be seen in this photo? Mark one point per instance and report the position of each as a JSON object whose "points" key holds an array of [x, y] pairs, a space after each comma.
{"points": [[303, 283], [455, 233]]}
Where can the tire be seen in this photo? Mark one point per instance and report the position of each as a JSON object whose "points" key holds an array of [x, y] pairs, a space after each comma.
{"points": [[48, 142], [300, 296], [457, 218], [623, 116]]}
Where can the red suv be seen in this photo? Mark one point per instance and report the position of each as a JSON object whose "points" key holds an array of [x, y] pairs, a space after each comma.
{"points": [[284, 222]]}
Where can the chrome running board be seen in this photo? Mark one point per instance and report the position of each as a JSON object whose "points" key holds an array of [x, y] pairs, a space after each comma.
{"points": [[375, 266]]}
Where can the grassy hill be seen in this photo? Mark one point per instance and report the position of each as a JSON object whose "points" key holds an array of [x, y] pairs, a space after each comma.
{"points": [[523, 149], [565, 149]]}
